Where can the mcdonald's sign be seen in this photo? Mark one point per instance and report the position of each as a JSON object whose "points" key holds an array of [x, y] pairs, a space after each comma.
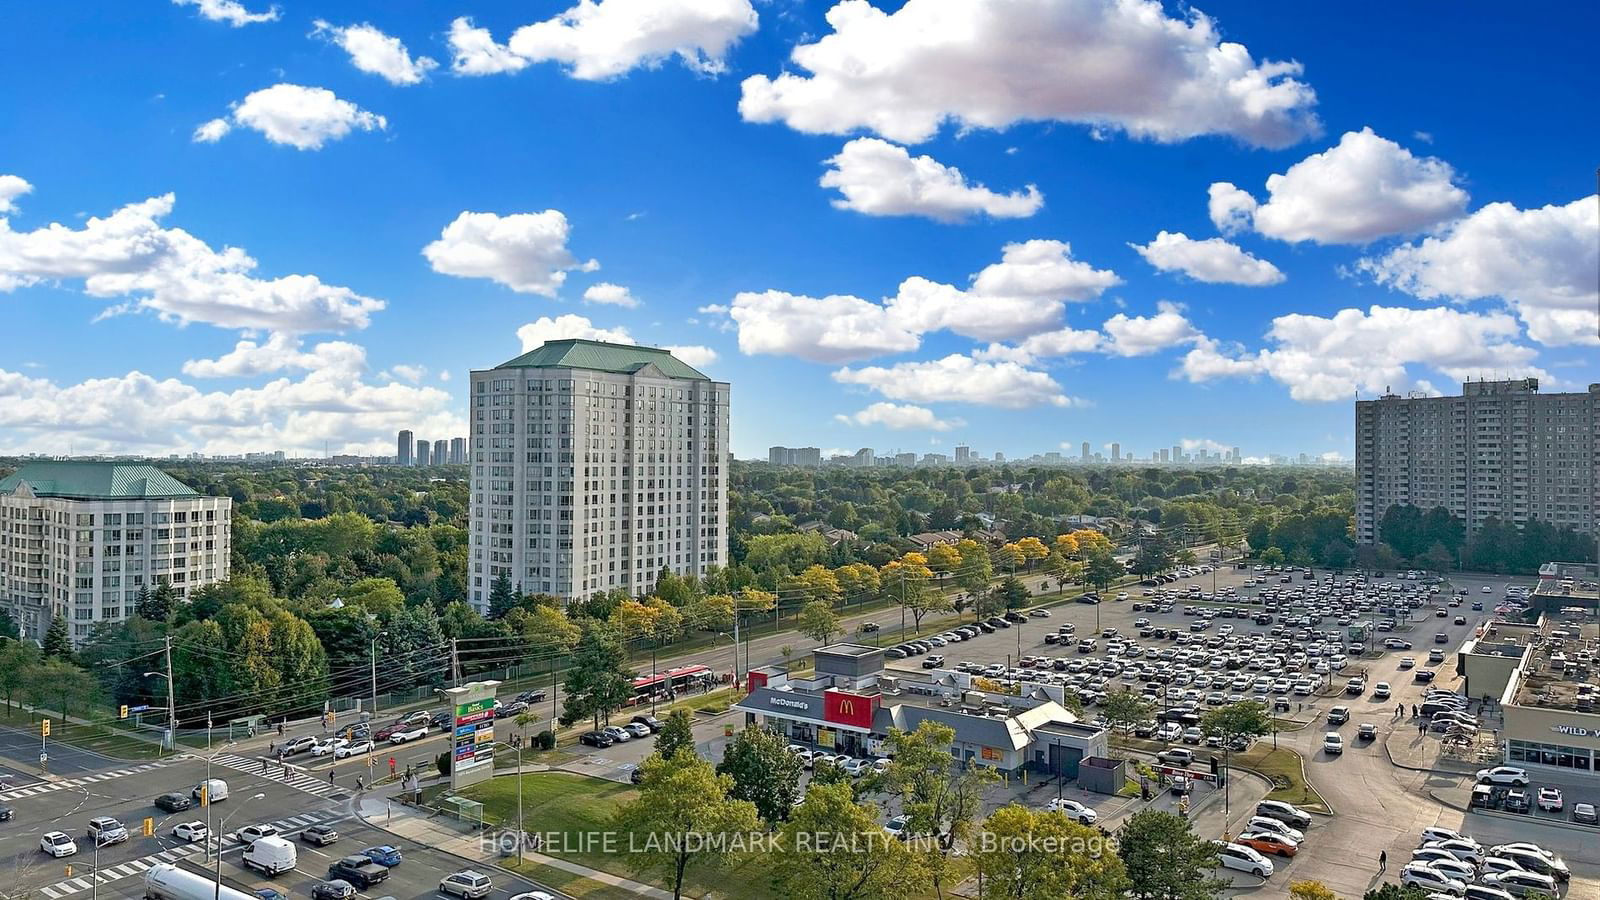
{"points": [[844, 708]]}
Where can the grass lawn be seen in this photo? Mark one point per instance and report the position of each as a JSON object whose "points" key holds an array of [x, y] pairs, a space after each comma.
{"points": [[574, 805], [99, 738], [1286, 769]]}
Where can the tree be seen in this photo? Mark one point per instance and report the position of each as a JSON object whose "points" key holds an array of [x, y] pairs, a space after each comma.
{"points": [[1246, 719], [1272, 556], [599, 680], [1022, 854], [938, 799], [1436, 558], [764, 772], [16, 660], [56, 643], [833, 848], [1032, 549], [1008, 556], [677, 733], [1012, 593], [683, 817], [1310, 890], [818, 621], [501, 597], [1395, 892], [1186, 557], [158, 605], [1101, 569], [1125, 709], [1166, 860], [1060, 567], [8, 626], [976, 568], [817, 584], [944, 559]]}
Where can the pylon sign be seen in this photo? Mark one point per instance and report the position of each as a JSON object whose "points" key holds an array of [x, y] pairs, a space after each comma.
{"points": [[472, 738]]}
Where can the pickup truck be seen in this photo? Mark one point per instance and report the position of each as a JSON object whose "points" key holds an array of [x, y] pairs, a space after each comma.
{"points": [[358, 870]]}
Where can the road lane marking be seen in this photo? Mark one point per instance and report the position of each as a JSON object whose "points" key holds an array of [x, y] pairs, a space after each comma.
{"points": [[48, 786]]}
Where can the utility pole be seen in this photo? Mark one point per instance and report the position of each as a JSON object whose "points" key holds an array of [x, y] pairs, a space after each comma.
{"points": [[455, 664], [736, 678], [374, 662], [172, 711]]}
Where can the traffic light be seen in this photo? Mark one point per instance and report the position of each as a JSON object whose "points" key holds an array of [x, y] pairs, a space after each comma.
{"points": [[123, 713], [44, 727], [205, 794], [149, 826]]}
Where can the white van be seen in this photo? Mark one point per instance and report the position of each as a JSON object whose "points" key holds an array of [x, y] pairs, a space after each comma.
{"points": [[270, 856], [215, 789]]}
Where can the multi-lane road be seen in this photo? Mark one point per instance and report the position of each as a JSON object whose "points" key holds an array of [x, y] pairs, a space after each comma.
{"points": [[126, 791]]}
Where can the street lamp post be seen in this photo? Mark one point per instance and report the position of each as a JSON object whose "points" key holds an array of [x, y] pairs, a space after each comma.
{"points": [[223, 826], [205, 794], [521, 830]]}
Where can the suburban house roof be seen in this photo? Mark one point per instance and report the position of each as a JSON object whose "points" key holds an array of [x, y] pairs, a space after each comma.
{"points": [[93, 480], [599, 356]]}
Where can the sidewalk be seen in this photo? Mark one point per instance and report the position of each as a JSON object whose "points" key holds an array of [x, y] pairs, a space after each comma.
{"points": [[464, 841]]}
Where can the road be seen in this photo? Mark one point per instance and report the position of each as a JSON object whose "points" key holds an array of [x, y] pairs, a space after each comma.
{"points": [[125, 791]]}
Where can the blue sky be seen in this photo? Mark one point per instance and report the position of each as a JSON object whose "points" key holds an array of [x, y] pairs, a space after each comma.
{"points": [[426, 187]]}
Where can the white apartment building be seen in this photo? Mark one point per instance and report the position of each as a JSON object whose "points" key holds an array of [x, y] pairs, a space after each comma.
{"points": [[595, 466], [1500, 449], [78, 540]]}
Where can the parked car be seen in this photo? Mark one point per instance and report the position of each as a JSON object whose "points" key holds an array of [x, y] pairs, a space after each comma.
{"points": [[1245, 859], [1585, 814], [1549, 799], [1522, 883], [1262, 823], [1269, 843], [648, 721], [595, 739], [617, 733], [1074, 810], [638, 729], [1284, 812], [1429, 878]]}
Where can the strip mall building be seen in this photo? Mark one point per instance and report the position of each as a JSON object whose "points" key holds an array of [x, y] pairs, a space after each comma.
{"points": [[848, 704]]}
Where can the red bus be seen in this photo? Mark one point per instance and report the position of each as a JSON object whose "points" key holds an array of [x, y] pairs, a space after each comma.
{"points": [[669, 682]]}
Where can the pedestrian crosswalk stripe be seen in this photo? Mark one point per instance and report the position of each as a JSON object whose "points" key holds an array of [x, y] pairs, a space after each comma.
{"points": [[34, 790]]}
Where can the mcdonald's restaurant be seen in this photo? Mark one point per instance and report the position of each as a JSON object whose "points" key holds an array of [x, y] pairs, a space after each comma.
{"points": [[846, 705]]}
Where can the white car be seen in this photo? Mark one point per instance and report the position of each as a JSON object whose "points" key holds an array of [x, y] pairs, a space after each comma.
{"points": [[1439, 833], [1428, 878], [1504, 775], [1522, 883], [855, 768], [1245, 859], [255, 832], [352, 748], [1550, 799], [1449, 865], [1466, 851], [1332, 743], [638, 729], [1274, 827], [408, 733], [58, 844], [190, 831], [323, 748], [1074, 810]]}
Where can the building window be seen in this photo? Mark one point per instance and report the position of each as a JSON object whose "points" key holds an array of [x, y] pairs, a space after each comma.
{"points": [[1556, 755]]}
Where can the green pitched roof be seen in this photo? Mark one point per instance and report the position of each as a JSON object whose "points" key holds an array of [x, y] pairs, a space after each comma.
{"points": [[91, 480], [622, 359]]}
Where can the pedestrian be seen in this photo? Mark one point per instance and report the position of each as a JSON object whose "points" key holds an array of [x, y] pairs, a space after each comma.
{"points": [[1383, 860], [330, 776], [1413, 710], [263, 765], [280, 727], [359, 784], [271, 747]]}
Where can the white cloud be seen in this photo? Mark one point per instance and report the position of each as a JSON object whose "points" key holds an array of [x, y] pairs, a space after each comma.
{"points": [[1541, 261], [212, 131], [693, 354], [230, 11], [1230, 207], [1214, 260], [377, 53], [473, 51], [407, 372], [899, 417], [1062, 342], [1110, 64], [1365, 188], [174, 274], [1326, 359], [603, 39], [444, 375], [137, 412], [837, 328], [1142, 335], [280, 352], [611, 294], [302, 117], [881, 179], [1023, 294], [567, 327], [526, 252], [959, 379], [11, 187], [1190, 445]]}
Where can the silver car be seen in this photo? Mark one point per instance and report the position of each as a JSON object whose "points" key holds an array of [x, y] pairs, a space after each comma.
{"points": [[466, 884]]}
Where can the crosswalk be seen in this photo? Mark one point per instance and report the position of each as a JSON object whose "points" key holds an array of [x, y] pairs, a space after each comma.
{"points": [[287, 828], [296, 779], [44, 787]]}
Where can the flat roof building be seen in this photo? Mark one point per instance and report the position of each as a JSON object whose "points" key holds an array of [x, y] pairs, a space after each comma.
{"points": [[79, 539]]}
